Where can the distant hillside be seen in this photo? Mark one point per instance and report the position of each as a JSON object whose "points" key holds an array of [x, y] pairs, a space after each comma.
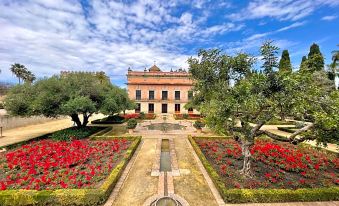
{"points": [[4, 87]]}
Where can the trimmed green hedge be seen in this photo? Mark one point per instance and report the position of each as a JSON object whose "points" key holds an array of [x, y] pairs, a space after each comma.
{"points": [[263, 195], [287, 129], [64, 197], [115, 119]]}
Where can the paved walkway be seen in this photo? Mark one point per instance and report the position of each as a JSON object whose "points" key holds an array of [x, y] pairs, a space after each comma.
{"points": [[19, 134], [274, 129], [139, 184]]}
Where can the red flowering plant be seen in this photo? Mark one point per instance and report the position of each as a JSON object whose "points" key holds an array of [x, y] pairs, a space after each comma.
{"points": [[275, 164], [51, 164]]}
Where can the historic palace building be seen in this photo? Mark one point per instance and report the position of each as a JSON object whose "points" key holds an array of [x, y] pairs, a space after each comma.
{"points": [[156, 91]]}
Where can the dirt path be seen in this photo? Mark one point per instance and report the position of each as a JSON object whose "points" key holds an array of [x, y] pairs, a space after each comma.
{"points": [[19, 134], [139, 184]]}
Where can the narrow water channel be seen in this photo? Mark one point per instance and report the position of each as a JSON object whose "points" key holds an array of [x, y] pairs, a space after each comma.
{"points": [[165, 157]]}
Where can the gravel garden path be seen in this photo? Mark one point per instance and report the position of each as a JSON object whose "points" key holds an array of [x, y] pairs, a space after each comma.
{"points": [[19, 134]]}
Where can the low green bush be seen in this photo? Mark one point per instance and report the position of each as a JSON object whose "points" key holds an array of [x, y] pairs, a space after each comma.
{"points": [[132, 124], [263, 195], [287, 129], [69, 197], [198, 124], [1, 105], [74, 133], [113, 119]]}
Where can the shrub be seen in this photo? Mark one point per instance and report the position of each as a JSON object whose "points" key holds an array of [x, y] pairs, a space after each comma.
{"points": [[1, 105], [74, 133], [132, 124], [112, 119], [198, 124], [185, 116], [142, 115]]}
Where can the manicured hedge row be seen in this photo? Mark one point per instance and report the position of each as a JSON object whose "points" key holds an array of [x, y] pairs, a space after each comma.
{"points": [[287, 129], [264, 195], [64, 197]]}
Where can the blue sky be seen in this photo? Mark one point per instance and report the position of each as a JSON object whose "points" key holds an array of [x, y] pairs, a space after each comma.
{"points": [[49, 36]]}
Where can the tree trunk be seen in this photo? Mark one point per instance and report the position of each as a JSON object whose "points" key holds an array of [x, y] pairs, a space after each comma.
{"points": [[85, 121], [246, 170], [282, 115], [76, 120]]}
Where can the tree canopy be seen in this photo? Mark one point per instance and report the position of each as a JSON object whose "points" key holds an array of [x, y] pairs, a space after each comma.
{"points": [[285, 62], [242, 109], [73, 94]]}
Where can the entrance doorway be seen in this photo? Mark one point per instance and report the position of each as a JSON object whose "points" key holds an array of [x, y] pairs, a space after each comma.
{"points": [[164, 108]]}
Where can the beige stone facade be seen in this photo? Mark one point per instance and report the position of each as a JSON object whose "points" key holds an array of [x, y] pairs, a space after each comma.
{"points": [[158, 92]]}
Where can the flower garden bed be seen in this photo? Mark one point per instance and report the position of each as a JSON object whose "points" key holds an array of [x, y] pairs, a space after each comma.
{"points": [[187, 116], [281, 172], [78, 172], [119, 119]]}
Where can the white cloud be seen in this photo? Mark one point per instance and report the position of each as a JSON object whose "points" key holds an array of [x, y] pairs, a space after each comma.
{"points": [[329, 18], [53, 35], [282, 10]]}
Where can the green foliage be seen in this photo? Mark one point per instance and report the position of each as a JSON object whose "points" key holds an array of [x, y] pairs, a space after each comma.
{"points": [[268, 52], [69, 197], [285, 62], [132, 123], [142, 115], [72, 94], [315, 60], [74, 132], [213, 71], [115, 119], [259, 97], [185, 116], [198, 124]]}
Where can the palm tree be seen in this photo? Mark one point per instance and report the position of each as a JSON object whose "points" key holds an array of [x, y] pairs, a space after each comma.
{"points": [[28, 76], [18, 70]]}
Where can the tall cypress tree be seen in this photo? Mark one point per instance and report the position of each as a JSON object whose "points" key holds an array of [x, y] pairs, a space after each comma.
{"points": [[285, 62], [303, 64], [315, 60]]}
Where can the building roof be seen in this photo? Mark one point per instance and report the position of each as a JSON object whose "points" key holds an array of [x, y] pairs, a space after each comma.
{"points": [[154, 68]]}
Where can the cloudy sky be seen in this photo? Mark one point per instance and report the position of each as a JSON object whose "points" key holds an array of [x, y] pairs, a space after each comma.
{"points": [[48, 36]]}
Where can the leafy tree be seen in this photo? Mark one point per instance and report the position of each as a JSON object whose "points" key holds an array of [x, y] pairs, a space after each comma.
{"points": [[241, 110], [285, 62], [268, 52], [72, 94], [103, 78], [303, 64], [315, 60]]}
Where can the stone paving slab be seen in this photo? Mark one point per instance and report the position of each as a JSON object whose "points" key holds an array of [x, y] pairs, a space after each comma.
{"points": [[191, 186], [139, 184]]}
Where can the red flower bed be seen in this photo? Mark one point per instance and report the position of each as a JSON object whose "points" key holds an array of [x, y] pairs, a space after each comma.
{"points": [[274, 165], [131, 116], [190, 116], [51, 164]]}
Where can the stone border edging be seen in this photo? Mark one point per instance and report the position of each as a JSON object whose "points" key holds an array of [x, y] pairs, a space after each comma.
{"points": [[209, 181], [123, 176]]}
